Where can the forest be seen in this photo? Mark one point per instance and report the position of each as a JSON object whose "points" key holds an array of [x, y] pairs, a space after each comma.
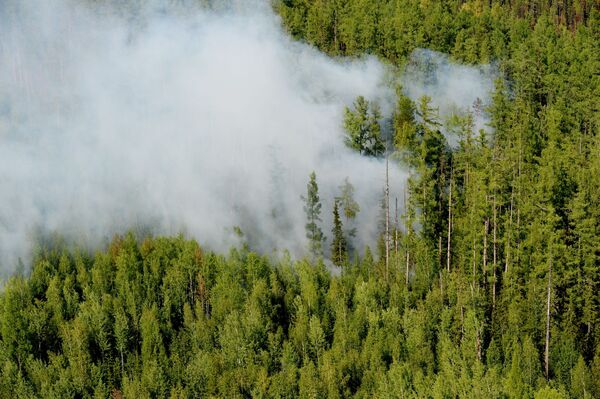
{"points": [[486, 286]]}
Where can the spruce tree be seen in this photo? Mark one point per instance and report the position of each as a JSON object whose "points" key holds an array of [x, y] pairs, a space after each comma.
{"points": [[349, 208], [312, 208], [338, 245]]}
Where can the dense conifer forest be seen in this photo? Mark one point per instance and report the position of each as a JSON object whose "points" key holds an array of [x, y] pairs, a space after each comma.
{"points": [[487, 286]]}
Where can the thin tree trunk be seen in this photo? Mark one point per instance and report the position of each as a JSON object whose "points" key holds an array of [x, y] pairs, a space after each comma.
{"points": [[518, 229], [547, 349], [519, 173], [449, 225], [387, 219], [485, 233], [474, 266], [396, 227], [407, 227], [440, 251], [507, 259], [462, 322], [407, 265], [494, 257]]}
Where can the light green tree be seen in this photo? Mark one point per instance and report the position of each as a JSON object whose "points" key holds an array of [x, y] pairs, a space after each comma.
{"points": [[363, 132]]}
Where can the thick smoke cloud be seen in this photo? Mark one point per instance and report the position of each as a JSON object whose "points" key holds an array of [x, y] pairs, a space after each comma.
{"points": [[174, 119], [192, 121]]}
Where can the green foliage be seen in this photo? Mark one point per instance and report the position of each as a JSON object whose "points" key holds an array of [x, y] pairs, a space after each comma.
{"points": [[404, 123], [363, 132], [312, 209], [487, 216], [463, 312], [339, 246], [350, 209], [269, 329]]}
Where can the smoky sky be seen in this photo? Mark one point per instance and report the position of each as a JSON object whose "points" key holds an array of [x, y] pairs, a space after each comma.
{"points": [[176, 119]]}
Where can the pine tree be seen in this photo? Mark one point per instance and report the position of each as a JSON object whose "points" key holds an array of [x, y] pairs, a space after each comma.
{"points": [[312, 208], [338, 245]]}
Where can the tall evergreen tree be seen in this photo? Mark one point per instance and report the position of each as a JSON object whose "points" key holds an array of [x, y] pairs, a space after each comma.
{"points": [[312, 208], [338, 245], [350, 209]]}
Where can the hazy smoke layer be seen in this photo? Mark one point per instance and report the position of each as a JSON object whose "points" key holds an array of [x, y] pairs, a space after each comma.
{"points": [[181, 120], [453, 88]]}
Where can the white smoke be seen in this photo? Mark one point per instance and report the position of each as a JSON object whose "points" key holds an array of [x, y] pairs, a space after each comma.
{"points": [[453, 88], [174, 118]]}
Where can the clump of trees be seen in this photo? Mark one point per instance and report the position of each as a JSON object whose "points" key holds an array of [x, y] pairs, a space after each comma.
{"points": [[505, 222], [162, 317], [363, 132]]}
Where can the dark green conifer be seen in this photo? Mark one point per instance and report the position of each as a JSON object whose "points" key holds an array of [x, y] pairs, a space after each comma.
{"points": [[339, 244], [312, 208]]}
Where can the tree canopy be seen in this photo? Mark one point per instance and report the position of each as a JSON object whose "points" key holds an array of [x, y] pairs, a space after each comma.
{"points": [[488, 287]]}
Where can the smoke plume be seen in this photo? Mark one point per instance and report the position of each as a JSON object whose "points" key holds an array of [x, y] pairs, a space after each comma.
{"points": [[176, 119]]}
